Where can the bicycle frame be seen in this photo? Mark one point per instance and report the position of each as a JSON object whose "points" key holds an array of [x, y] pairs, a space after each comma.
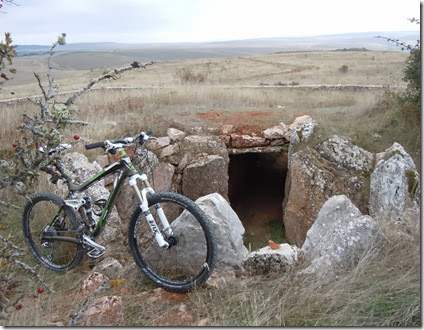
{"points": [[123, 173], [125, 169]]}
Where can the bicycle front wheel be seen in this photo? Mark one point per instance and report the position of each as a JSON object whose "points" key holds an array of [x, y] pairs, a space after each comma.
{"points": [[49, 229], [190, 258]]}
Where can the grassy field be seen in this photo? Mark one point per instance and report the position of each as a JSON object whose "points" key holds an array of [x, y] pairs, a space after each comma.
{"points": [[251, 93]]}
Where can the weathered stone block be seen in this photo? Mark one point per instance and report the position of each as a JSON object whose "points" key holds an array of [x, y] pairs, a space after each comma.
{"points": [[205, 175]]}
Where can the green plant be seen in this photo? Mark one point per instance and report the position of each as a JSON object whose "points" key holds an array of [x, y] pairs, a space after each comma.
{"points": [[412, 72], [7, 52], [343, 68]]}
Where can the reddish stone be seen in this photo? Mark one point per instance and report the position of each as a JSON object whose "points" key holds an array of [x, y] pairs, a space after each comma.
{"points": [[247, 141]]}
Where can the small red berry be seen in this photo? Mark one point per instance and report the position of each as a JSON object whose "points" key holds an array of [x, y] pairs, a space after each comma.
{"points": [[76, 137], [14, 145], [40, 290]]}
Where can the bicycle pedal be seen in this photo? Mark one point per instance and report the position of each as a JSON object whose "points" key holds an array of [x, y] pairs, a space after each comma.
{"points": [[95, 254], [96, 249], [47, 245]]}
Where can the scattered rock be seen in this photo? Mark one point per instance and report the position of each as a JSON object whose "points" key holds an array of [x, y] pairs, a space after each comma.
{"points": [[339, 234], [203, 322], [175, 134], [276, 132], [221, 279], [268, 259], [110, 267], [158, 143], [93, 282], [300, 121], [169, 150], [104, 311]]}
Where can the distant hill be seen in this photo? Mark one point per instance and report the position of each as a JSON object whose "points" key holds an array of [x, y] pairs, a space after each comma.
{"points": [[174, 51]]}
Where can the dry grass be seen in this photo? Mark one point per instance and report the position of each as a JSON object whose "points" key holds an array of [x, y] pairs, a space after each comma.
{"points": [[162, 99], [382, 290]]}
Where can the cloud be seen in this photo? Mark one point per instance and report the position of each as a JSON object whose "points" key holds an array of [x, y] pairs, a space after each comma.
{"points": [[40, 21]]}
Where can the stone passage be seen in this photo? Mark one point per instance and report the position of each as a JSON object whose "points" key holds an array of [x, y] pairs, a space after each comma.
{"points": [[256, 192]]}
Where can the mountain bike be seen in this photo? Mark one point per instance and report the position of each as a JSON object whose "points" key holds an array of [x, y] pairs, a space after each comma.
{"points": [[170, 238]]}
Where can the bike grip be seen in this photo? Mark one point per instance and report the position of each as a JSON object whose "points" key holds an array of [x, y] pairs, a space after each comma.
{"points": [[149, 132], [94, 145]]}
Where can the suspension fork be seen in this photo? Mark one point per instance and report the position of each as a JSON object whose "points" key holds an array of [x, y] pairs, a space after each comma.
{"points": [[144, 205]]}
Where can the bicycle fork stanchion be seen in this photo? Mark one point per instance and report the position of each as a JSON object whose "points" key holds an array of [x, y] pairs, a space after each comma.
{"points": [[144, 205]]}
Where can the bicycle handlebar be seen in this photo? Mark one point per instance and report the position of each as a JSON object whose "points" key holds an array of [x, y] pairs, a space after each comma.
{"points": [[142, 137], [94, 145]]}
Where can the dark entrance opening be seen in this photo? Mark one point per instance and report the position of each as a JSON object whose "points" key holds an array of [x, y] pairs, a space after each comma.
{"points": [[256, 192]]}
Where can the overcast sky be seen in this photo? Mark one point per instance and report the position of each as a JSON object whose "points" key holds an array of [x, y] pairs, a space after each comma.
{"points": [[139, 21]]}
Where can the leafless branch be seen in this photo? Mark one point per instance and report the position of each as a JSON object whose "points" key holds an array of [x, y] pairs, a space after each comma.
{"points": [[30, 270], [49, 74], [10, 244], [12, 258], [37, 76], [8, 205], [70, 121], [108, 75]]}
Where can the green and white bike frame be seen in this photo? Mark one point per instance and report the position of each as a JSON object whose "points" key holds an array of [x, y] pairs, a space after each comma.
{"points": [[124, 169]]}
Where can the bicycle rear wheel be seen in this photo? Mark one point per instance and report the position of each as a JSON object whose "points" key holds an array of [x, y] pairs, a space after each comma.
{"points": [[45, 220], [190, 258]]}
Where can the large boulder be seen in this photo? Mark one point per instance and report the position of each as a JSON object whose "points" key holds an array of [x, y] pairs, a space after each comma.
{"points": [[314, 175], [205, 175], [228, 232], [339, 234], [395, 192], [341, 151]]}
